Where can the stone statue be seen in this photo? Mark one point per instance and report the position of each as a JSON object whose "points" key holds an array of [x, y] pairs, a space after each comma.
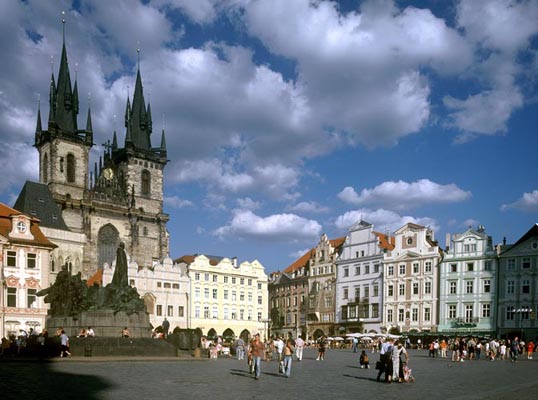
{"points": [[70, 295]]}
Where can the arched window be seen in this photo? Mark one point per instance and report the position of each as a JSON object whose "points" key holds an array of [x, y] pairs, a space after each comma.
{"points": [[145, 183], [45, 168], [71, 168], [107, 243]]}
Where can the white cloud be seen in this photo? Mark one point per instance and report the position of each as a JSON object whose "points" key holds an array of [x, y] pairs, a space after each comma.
{"points": [[297, 254], [383, 220], [277, 227], [404, 195], [471, 223], [308, 207], [248, 204], [176, 202], [527, 203]]}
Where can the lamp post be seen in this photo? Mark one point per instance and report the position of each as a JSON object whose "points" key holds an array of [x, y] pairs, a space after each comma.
{"points": [[265, 321], [521, 311]]}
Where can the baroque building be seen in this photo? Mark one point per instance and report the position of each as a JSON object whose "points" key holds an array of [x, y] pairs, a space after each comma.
{"points": [[227, 299], [468, 284], [410, 280], [359, 286], [24, 271], [517, 310], [119, 200]]}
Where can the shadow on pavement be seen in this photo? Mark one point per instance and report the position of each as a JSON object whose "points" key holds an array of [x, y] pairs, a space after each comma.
{"points": [[38, 380], [362, 378]]}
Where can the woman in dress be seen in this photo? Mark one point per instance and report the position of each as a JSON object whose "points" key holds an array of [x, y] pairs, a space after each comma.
{"points": [[397, 367]]}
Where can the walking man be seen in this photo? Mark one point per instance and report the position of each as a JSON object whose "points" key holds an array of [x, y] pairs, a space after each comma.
{"points": [[166, 327], [257, 351], [299, 346]]}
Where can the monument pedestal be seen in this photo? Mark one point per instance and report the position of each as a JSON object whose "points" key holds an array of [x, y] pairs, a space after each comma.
{"points": [[105, 323]]}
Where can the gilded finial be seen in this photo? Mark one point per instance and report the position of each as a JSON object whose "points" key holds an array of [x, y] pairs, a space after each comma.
{"points": [[63, 24], [138, 52]]}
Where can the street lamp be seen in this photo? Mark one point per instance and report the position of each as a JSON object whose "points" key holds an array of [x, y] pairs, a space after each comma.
{"points": [[521, 311], [265, 321]]}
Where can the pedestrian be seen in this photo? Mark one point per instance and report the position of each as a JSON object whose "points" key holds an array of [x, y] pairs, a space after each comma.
{"points": [[256, 351], [125, 332], [385, 361], [322, 344], [530, 350], [240, 348], [397, 365], [363, 360], [288, 357], [64, 344], [90, 332], [514, 350], [299, 347], [355, 342], [166, 327]]}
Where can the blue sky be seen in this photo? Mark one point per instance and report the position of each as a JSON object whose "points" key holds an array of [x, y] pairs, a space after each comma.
{"points": [[287, 119]]}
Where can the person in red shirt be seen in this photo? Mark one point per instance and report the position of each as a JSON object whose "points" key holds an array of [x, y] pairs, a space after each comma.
{"points": [[257, 351], [530, 350]]}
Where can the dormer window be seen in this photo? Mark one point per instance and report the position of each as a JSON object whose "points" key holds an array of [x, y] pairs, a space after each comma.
{"points": [[22, 227]]}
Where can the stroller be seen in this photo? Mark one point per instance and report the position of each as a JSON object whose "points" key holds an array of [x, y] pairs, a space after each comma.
{"points": [[408, 374]]}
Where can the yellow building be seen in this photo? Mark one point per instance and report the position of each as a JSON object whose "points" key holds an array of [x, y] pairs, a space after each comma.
{"points": [[226, 299]]}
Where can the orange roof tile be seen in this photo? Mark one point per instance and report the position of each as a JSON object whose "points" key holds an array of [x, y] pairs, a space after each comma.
{"points": [[5, 228], [385, 242], [97, 278]]}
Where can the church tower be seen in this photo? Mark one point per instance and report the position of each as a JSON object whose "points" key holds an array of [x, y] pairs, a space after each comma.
{"points": [[121, 200]]}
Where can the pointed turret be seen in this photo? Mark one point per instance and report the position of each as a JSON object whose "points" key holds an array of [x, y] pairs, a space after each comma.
{"points": [[163, 145], [114, 141], [127, 112], [138, 118], [150, 123], [66, 117], [75, 98], [89, 121], [39, 127], [52, 100]]}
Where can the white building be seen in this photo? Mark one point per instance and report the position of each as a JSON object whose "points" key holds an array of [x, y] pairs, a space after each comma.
{"points": [[227, 299], [359, 296], [468, 284], [410, 280], [165, 288], [24, 271]]}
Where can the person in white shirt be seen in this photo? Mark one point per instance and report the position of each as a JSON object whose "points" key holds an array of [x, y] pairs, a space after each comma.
{"points": [[299, 346], [90, 332]]}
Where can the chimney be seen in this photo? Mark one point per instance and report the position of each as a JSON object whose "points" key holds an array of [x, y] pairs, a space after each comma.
{"points": [[234, 261], [504, 241], [447, 241]]}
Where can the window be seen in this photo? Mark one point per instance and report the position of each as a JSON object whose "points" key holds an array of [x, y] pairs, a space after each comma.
{"points": [[389, 315], [453, 287], [468, 248], [159, 310], [31, 261], [196, 311], [510, 313], [346, 272], [197, 293], [487, 266], [390, 291], [525, 286], [180, 311], [401, 289], [414, 314], [71, 168], [146, 183], [174, 285], [215, 294], [366, 269], [376, 290], [225, 313], [328, 302], [510, 287], [131, 282], [427, 287], [159, 284], [486, 310], [197, 276], [250, 282], [215, 278], [357, 270], [234, 295], [214, 312], [11, 258], [260, 300], [259, 286], [357, 293], [206, 311], [367, 291], [428, 266], [400, 315], [452, 311], [470, 267], [242, 281], [345, 293], [402, 269], [469, 287], [526, 263], [206, 293], [415, 268], [453, 267], [352, 312], [390, 270], [170, 311], [376, 268], [468, 313], [427, 314], [206, 277], [242, 296], [487, 285], [46, 168], [409, 241], [31, 297], [242, 314], [511, 263], [166, 285], [375, 310], [250, 297], [225, 279], [415, 287], [225, 294], [233, 280], [249, 315], [259, 315]]}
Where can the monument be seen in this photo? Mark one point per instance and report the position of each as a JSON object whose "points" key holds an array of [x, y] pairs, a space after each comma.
{"points": [[75, 306]]}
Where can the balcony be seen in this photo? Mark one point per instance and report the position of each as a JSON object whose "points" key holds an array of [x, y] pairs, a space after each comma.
{"points": [[465, 322]]}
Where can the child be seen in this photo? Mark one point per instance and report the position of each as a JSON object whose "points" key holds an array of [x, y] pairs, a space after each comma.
{"points": [[363, 360]]}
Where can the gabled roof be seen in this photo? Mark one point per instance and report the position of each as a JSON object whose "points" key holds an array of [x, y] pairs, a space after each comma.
{"points": [[39, 239], [532, 232], [337, 243], [412, 226], [385, 242], [300, 262], [189, 259], [36, 200]]}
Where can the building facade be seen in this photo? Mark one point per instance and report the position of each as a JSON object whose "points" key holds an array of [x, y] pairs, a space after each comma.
{"points": [[359, 285], [518, 288], [321, 307], [24, 271], [227, 299], [410, 281], [468, 285], [165, 288], [121, 199]]}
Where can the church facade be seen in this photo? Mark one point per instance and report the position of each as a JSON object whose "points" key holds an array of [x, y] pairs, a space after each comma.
{"points": [[120, 199]]}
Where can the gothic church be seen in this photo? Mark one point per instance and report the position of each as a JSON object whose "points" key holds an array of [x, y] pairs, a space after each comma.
{"points": [[86, 212]]}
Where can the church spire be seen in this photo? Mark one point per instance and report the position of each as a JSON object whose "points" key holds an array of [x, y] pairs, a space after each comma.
{"points": [[163, 145], [39, 127], [89, 120], [52, 100]]}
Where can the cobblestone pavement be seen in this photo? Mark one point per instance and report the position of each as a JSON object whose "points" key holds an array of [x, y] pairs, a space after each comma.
{"points": [[337, 377]]}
